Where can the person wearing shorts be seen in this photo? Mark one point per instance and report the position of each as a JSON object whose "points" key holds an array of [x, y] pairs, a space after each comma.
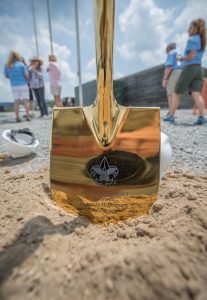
{"points": [[18, 75], [171, 74], [54, 77], [191, 76]]}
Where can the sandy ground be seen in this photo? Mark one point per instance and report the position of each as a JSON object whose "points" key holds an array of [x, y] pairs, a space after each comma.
{"points": [[47, 254]]}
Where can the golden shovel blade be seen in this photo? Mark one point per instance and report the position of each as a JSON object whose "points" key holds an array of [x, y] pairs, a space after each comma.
{"points": [[105, 184], [105, 157]]}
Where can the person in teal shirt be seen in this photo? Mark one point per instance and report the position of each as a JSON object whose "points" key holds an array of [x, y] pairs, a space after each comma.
{"points": [[18, 75], [191, 77]]}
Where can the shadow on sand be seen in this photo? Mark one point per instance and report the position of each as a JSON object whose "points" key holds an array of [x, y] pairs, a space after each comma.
{"points": [[9, 161], [28, 241]]}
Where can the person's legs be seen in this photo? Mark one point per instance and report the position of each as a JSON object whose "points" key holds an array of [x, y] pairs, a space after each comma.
{"points": [[196, 87], [31, 103], [184, 80], [199, 102], [169, 87], [56, 92], [17, 99], [169, 103], [58, 101], [26, 103], [24, 92], [31, 98], [175, 103], [39, 103], [176, 96], [42, 100], [16, 109], [173, 99], [32, 108]]}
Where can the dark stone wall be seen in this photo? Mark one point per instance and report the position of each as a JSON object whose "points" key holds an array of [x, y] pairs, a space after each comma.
{"points": [[89, 93], [140, 89], [145, 88], [90, 90]]}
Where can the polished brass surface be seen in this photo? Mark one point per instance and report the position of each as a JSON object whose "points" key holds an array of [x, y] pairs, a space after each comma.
{"points": [[105, 157], [106, 111]]}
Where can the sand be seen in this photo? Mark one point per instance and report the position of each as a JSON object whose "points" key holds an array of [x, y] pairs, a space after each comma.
{"points": [[46, 253]]}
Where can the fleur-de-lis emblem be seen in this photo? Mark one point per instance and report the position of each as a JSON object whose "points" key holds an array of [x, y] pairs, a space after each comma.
{"points": [[104, 173]]}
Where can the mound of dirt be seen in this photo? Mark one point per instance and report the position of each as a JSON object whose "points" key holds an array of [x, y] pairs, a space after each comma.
{"points": [[46, 253]]}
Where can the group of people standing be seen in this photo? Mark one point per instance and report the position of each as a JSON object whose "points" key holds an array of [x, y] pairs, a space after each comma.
{"points": [[181, 73], [27, 81], [185, 72]]}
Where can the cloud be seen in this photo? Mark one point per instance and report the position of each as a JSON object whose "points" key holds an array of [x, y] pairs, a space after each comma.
{"points": [[118, 75], [194, 9], [143, 25], [89, 72], [85, 27], [5, 88], [63, 27], [91, 65], [88, 76], [3, 50], [147, 29]]}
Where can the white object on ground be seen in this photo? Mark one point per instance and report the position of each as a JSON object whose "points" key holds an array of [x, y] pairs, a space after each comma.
{"points": [[15, 149], [165, 154]]}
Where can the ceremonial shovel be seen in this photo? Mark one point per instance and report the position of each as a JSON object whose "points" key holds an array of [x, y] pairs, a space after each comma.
{"points": [[105, 158]]}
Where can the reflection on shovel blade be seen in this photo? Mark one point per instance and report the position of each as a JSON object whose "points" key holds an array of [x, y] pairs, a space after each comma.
{"points": [[105, 184]]}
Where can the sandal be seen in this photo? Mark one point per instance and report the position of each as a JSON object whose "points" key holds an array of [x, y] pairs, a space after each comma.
{"points": [[18, 120]]}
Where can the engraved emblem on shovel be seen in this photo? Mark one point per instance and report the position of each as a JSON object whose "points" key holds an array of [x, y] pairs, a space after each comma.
{"points": [[104, 173]]}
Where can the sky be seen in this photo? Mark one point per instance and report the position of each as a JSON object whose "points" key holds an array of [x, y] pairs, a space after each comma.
{"points": [[143, 28]]}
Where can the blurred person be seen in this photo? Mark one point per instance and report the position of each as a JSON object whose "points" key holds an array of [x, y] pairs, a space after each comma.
{"points": [[17, 73], [68, 101], [54, 77], [191, 75], [37, 84], [171, 74], [31, 98]]}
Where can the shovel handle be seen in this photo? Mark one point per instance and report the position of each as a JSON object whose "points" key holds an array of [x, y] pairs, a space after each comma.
{"points": [[104, 34]]}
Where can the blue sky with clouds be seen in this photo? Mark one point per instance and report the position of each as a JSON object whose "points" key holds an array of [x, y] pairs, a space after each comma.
{"points": [[142, 30]]}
